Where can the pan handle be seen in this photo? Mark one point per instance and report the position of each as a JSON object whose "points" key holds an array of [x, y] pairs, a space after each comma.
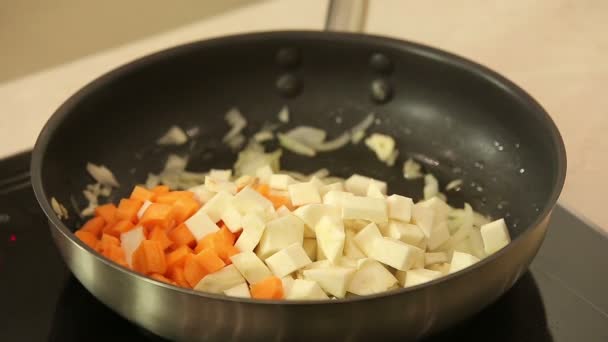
{"points": [[346, 15]]}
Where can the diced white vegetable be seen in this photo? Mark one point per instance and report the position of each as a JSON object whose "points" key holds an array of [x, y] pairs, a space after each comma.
{"points": [[423, 217], [232, 219], [264, 173], [200, 225], [337, 186], [431, 186], [435, 258], [288, 260], [282, 211], [317, 182], [279, 234], [365, 208], [320, 255], [358, 185], [444, 268], [330, 237], [495, 236], [311, 214], [383, 145], [374, 191], [461, 260], [400, 208], [287, 285], [305, 289], [416, 277], [366, 237], [221, 175], [336, 198], [371, 277], [102, 175], [251, 267], [129, 241], [334, 280], [216, 205], [408, 233], [201, 193], [310, 246], [280, 181], [143, 208], [318, 264], [240, 291], [439, 207], [253, 228], [248, 200], [351, 249], [217, 185], [303, 193], [438, 235], [397, 254], [221, 280], [174, 136], [348, 262], [476, 243], [355, 225]]}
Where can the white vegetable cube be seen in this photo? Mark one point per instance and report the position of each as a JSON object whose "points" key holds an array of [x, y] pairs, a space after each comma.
{"points": [[288, 260], [443, 268], [201, 193], [337, 198], [263, 174], [143, 208], [371, 277], [303, 193], [240, 291], [287, 285], [216, 185], [408, 233], [435, 258], [423, 217], [317, 183], [439, 234], [244, 181], [216, 205], [495, 236], [280, 182], [374, 191], [337, 186], [200, 225], [400, 208], [397, 254], [279, 234], [251, 267], [351, 250], [312, 213], [476, 243], [310, 246], [355, 225], [366, 237], [439, 207], [333, 280], [357, 184], [232, 218], [365, 208], [248, 200], [330, 237], [253, 228], [129, 242], [461, 260], [320, 255], [416, 277], [282, 211], [305, 289], [220, 281], [222, 175]]}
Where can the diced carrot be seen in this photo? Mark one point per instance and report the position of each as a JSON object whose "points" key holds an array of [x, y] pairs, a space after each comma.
{"points": [[123, 226], [116, 254], [226, 235], [157, 214], [106, 241], [178, 256], [87, 237], [94, 225], [109, 229], [182, 236], [127, 209], [138, 259], [176, 273], [193, 271], [160, 189], [227, 252], [269, 288], [209, 241], [159, 234], [155, 257], [183, 208], [162, 278], [263, 189], [209, 260], [141, 194], [279, 201], [107, 211], [172, 196]]}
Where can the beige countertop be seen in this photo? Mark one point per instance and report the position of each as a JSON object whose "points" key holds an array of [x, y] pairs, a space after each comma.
{"points": [[555, 49]]}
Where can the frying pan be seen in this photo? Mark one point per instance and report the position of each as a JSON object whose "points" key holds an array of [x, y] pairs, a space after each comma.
{"points": [[458, 118]]}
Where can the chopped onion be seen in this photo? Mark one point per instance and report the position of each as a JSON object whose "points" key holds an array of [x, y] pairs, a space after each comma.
{"points": [[321, 173], [236, 142], [253, 157], [358, 131], [411, 169], [174, 136], [431, 186], [102, 175], [284, 115], [59, 209], [307, 135], [295, 146], [152, 181], [262, 136], [237, 123], [390, 161], [335, 144], [453, 184], [175, 163]]}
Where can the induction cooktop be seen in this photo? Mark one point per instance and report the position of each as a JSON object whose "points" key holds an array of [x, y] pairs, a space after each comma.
{"points": [[563, 297]]}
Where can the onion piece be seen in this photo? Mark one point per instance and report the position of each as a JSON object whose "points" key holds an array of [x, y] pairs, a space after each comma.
{"points": [[453, 184], [307, 135], [59, 209], [431, 186], [262, 136], [295, 146], [335, 144], [283, 115], [358, 131], [237, 123], [253, 157], [411, 169], [102, 175], [174, 136]]}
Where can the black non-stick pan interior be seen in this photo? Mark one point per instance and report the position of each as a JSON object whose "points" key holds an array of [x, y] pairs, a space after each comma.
{"points": [[443, 112]]}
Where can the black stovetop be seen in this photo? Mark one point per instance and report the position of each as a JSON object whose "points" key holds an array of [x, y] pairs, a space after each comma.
{"points": [[562, 298]]}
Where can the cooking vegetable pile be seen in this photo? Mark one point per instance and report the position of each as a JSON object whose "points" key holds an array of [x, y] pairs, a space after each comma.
{"points": [[268, 236]]}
